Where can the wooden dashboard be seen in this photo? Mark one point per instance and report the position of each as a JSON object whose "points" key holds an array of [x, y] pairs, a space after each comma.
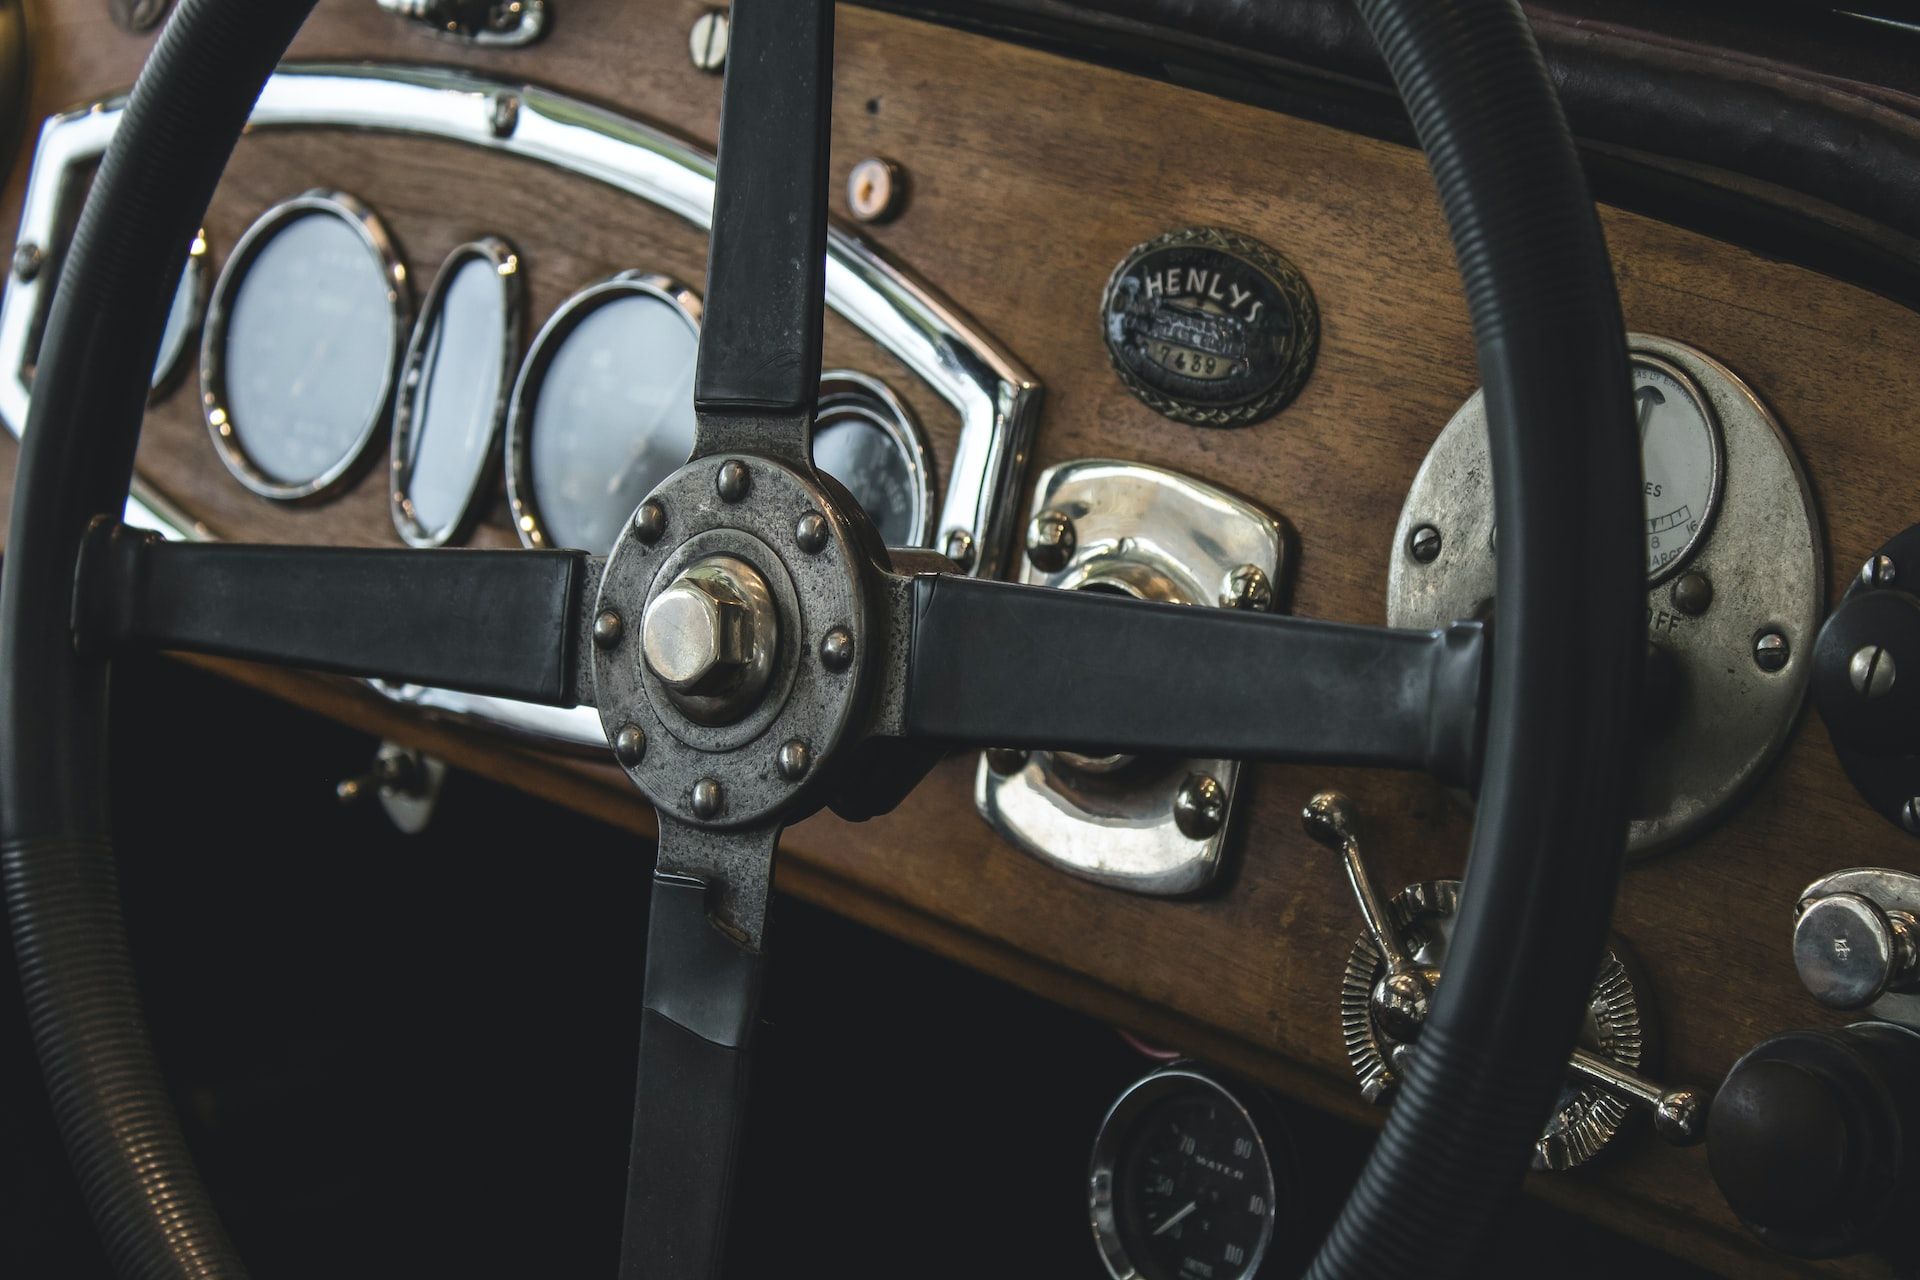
{"points": [[1031, 176]]}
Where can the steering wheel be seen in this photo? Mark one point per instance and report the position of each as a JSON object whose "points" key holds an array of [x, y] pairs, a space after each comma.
{"points": [[756, 653]]}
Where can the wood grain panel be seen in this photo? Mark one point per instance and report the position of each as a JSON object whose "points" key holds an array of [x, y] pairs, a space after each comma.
{"points": [[1031, 176]]}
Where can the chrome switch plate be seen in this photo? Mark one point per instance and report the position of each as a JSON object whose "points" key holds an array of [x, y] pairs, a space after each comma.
{"points": [[1157, 535]]}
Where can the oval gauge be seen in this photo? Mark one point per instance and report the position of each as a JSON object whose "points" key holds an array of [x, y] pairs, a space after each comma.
{"points": [[865, 437], [602, 411], [302, 342], [455, 386], [183, 320], [1681, 460], [1183, 1181]]}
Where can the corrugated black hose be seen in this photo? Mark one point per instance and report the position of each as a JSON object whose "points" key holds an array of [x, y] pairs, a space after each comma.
{"points": [[1541, 879]]}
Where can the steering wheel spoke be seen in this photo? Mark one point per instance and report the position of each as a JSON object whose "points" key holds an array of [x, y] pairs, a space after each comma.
{"points": [[494, 622], [994, 664]]}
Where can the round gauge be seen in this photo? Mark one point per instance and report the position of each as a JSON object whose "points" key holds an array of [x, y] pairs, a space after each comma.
{"points": [[1182, 1186], [1681, 458], [183, 319], [454, 389], [602, 411], [297, 366], [864, 437]]}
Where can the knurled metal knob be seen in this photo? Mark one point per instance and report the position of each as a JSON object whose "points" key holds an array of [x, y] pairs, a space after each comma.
{"points": [[1850, 952], [710, 638]]}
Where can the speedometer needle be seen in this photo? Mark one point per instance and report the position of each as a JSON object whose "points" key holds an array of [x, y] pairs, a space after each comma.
{"points": [[1175, 1220]]}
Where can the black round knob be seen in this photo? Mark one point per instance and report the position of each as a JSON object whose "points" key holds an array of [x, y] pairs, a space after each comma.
{"points": [[1808, 1136], [1866, 673]]}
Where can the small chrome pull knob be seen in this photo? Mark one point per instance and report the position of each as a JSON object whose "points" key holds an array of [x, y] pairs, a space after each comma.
{"points": [[1850, 951], [1679, 1115]]}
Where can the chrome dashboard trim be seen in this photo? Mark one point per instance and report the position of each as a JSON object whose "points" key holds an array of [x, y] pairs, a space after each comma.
{"points": [[997, 399]]}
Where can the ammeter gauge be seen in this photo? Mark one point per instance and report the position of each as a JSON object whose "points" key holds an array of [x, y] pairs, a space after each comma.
{"points": [[1681, 460], [1183, 1183]]}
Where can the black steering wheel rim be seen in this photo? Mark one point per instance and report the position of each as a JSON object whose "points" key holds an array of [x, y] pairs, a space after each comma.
{"points": [[1550, 831]]}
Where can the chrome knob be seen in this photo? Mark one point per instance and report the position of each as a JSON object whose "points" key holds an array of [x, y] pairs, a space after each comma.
{"points": [[1679, 1115], [710, 638], [1850, 952], [1400, 997]]}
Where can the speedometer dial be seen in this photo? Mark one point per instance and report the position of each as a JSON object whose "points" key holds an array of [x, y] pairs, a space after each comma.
{"points": [[1681, 459]]}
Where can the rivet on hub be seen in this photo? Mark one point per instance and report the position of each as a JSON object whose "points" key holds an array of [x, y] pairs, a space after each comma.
{"points": [[1201, 806], [649, 522], [836, 649], [707, 798], [630, 745], [606, 629], [794, 760], [811, 533], [733, 480]]}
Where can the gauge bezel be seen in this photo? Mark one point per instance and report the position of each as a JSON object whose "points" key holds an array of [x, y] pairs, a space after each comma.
{"points": [[1121, 1117], [505, 260], [170, 367], [851, 395], [1642, 357], [373, 235], [527, 521]]}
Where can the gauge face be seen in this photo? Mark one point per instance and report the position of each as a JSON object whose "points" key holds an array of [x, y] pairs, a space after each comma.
{"points": [[1681, 458], [603, 411], [454, 394], [301, 345], [1182, 1185], [864, 437]]}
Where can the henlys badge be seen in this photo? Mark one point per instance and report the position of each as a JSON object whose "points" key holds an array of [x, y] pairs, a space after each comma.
{"points": [[1211, 327]]}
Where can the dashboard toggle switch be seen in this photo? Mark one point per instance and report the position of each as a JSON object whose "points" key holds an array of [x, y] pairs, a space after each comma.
{"points": [[1395, 966]]}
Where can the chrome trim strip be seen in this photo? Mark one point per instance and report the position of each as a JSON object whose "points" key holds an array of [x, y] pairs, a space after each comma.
{"points": [[997, 399]]}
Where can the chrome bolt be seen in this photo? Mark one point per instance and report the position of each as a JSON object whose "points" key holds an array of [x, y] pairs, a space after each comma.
{"points": [[793, 760], [28, 258], [649, 522], [707, 41], [1771, 651], [630, 744], [811, 533], [1200, 807], [711, 632], [1006, 760], [707, 797], [606, 629], [1423, 544], [732, 480], [1248, 588], [1050, 541], [1910, 815], [1692, 593], [503, 114], [1871, 671], [959, 548], [836, 649], [1878, 571], [876, 190]]}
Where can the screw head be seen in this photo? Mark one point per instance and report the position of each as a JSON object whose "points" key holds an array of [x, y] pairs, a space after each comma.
{"points": [[649, 522], [1871, 671], [1006, 760], [793, 760], [503, 114], [28, 258], [1423, 544], [811, 533], [1200, 807], [1771, 651], [733, 480], [1050, 541], [1910, 815], [1248, 588], [836, 649], [707, 41], [607, 628], [959, 548], [1878, 571], [707, 797], [876, 190], [630, 745], [1692, 593]]}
